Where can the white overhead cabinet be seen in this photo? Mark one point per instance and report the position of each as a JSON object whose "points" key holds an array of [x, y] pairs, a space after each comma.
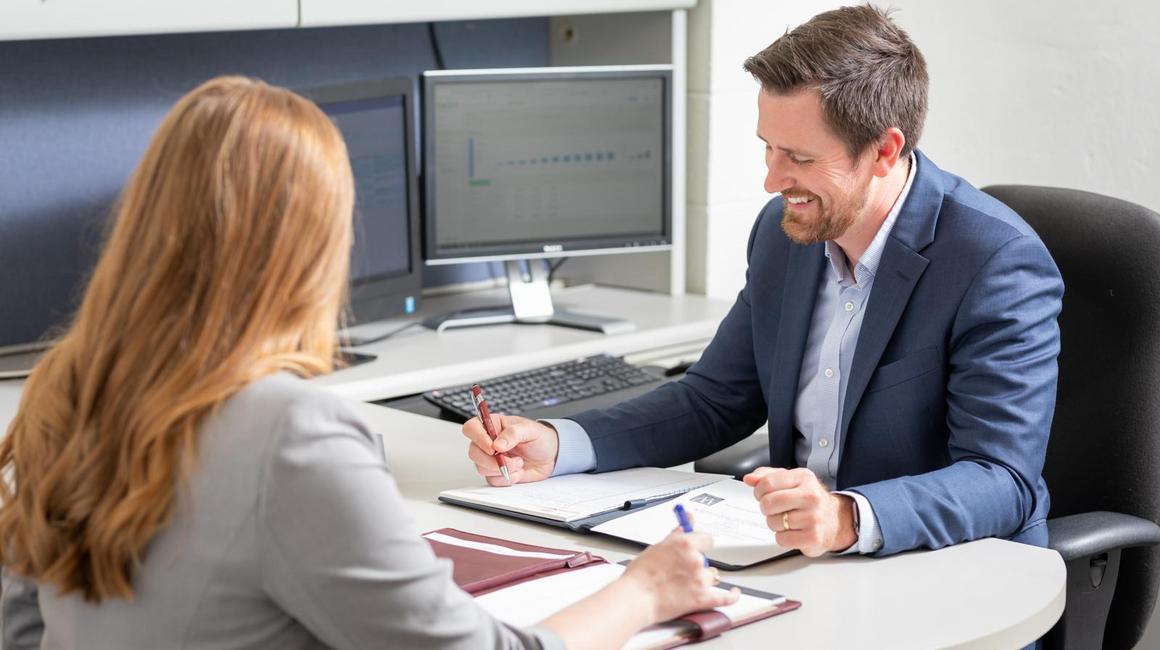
{"points": [[33, 19], [320, 13]]}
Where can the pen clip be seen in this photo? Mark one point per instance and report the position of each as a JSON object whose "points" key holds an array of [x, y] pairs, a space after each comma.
{"points": [[476, 396], [580, 559]]}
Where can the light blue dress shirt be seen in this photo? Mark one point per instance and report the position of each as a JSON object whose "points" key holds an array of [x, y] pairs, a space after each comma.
{"points": [[837, 321]]}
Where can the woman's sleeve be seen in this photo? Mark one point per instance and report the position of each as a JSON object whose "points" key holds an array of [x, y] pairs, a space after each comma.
{"points": [[342, 555], [20, 621]]}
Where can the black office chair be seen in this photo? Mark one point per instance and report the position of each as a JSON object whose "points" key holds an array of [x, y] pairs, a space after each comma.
{"points": [[1103, 460]]}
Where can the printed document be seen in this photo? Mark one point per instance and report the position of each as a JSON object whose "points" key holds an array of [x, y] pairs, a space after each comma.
{"points": [[726, 510]]}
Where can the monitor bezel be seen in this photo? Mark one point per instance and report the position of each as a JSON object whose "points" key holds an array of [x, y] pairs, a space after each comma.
{"points": [[434, 255], [383, 296]]}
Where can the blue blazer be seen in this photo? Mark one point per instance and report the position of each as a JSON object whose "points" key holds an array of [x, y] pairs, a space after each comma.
{"points": [[952, 387]]}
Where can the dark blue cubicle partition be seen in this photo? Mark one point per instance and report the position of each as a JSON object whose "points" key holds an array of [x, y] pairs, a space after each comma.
{"points": [[76, 114]]}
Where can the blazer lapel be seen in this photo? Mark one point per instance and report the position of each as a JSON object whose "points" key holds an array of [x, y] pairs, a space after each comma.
{"points": [[803, 272], [898, 273], [901, 267]]}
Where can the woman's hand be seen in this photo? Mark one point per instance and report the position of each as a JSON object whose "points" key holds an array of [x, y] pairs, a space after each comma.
{"points": [[673, 577], [667, 580]]}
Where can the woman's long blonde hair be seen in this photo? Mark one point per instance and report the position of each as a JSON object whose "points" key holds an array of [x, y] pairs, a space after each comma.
{"points": [[227, 262]]}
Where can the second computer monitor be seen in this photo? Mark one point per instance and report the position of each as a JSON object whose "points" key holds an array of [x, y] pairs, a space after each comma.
{"points": [[376, 121], [548, 162]]}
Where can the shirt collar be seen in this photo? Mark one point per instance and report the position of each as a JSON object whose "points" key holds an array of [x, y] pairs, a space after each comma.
{"points": [[867, 266]]}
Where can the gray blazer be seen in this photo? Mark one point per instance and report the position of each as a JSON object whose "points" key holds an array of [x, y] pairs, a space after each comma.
{"points": [[290, 533]]}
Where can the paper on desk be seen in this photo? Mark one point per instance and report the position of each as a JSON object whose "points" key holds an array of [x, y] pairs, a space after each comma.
{"points": [[726, 510], [528, 603], [576, 496]]}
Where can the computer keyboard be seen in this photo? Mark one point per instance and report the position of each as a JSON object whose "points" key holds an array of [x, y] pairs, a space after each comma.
{"points": [[570, 387]]}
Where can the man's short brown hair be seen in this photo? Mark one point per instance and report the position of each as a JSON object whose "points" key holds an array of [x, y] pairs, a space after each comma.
{"points": [[871, 76]]}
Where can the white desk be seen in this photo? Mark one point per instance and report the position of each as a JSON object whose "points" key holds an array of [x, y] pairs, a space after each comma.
{"points": [[985, 594]]}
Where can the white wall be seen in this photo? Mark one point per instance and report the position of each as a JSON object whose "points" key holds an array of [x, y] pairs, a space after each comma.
{"points": [[1063, 93]]}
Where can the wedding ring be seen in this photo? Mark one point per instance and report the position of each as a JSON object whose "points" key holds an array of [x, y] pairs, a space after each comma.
{"points": [[785, 521]]}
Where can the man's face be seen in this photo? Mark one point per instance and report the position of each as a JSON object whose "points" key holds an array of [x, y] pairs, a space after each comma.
{"points": [[825, 190]]}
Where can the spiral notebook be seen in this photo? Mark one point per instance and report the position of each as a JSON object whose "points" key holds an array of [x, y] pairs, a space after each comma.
{"points": [[581, 501]]}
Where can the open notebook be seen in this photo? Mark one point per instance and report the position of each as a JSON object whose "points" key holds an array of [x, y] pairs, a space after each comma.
{"points": [[580, 501], [522, 584], [636, 505]]}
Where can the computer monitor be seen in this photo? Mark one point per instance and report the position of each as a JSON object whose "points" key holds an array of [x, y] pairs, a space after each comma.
{"points": [[376, 119], [526, 164]]}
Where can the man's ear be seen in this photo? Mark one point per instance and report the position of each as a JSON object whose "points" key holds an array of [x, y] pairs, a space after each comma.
{"points": [[888, 151]]}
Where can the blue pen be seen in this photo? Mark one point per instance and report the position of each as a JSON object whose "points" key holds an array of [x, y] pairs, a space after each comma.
{"points": [[683, 520]]}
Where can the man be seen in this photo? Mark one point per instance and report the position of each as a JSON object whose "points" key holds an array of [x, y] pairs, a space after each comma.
{"points": [[898, 330]]}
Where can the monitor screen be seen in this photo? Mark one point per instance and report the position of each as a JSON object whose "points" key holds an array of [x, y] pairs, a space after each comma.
{"points": [[373, 130], [546, 162], [375, 119]]}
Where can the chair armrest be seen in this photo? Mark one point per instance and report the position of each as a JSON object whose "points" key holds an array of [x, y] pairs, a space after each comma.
{"points": [[1091, 533], [738, 460]]}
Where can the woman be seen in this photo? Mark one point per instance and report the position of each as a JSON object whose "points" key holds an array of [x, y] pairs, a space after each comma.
{"points": [[170, 480]]}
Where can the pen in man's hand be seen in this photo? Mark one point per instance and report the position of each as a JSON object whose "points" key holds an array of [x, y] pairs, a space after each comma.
{"points": [[485, 417], [683, 520]]}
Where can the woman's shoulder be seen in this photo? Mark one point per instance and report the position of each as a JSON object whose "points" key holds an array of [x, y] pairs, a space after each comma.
{"points": [[290, 409], [284, 392]]}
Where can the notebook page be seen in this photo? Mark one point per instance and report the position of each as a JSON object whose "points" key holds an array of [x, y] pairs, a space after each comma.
{"points": [[528, 603], [576, 496]]}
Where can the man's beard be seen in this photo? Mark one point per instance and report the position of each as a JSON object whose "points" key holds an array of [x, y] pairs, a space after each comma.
{"points": [[827, 225]]}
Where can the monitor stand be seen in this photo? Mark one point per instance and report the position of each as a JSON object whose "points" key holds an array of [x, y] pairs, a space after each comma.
{"points": [[531, 303]]}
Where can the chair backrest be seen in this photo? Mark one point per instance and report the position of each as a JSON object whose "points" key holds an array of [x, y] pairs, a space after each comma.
{"points": [[1104, 452]]}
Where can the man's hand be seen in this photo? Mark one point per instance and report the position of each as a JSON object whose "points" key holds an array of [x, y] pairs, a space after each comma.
{"points": [[818, 521], [530, 448]]}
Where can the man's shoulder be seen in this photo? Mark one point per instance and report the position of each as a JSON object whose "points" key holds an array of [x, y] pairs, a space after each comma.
{"points": [[973, 228], [967, 212], [960, 228], [979, 210]]}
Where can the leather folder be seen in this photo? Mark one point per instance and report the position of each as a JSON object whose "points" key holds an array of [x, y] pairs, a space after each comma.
{"points": [[478, 571]]}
